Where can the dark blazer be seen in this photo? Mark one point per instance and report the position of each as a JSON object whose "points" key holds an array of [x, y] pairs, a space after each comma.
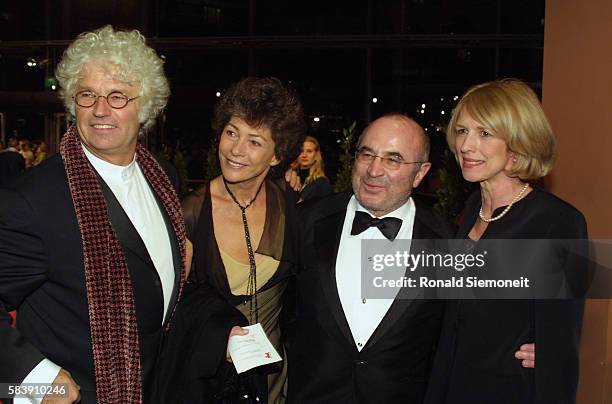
{"points": [[324, 363], [42, 276], [475, 361], [11, 165], [319, 188]]}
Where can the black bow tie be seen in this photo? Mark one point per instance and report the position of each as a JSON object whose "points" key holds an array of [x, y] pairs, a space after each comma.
{"points": [[388, 226]]}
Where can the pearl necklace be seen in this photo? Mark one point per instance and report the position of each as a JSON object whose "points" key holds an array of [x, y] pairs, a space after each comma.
{"points": [[516, 198]]}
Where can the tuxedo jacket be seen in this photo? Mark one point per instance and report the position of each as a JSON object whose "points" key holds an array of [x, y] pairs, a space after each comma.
{"points": [[42, 275], [324, 363]]}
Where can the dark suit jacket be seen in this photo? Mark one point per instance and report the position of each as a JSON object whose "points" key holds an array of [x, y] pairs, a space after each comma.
{"points": [[475, 361], [324, 363], [319, 188], [42, 276], [11, 165]]}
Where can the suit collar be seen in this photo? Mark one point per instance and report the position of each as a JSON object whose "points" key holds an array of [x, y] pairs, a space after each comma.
{"points": [[328, 230], [176, 259], [124, 229], [130, 239], [427, 226]]}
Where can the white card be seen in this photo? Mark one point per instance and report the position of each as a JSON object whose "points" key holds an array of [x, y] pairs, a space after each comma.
{"points": [[252, 350]]}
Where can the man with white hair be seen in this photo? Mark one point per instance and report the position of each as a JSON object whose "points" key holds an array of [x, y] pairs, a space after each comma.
{"points": [[92, 241]]}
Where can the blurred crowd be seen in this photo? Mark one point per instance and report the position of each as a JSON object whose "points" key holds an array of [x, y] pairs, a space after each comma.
{"points": [[18, 155]]}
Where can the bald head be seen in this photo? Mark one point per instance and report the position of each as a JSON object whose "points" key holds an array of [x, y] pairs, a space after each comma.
{"points": [[381, 187], [411, 128]]}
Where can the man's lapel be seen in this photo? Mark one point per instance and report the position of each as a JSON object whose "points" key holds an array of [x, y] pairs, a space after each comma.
{"points": [[421, 232], [174, 243], [124, 229], [176, 258], [327, 240], [129, 238]]}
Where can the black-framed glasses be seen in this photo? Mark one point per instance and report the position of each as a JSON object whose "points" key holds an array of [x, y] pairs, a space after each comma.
{"points": [[391, 163], [116, 99]]}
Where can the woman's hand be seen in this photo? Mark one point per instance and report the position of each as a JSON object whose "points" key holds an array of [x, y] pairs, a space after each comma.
{"points": [[293, 180], [236, 330], [188, 257], [527, 355]]}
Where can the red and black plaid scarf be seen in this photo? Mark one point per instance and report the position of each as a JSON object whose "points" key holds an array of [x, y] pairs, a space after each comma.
{"points": [[110, 298]]}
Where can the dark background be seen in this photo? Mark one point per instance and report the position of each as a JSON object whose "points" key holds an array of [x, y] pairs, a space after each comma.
{"points": [[338, 55]]}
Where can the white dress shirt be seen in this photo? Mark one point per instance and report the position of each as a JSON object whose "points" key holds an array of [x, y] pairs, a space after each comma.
{"points": [[364, 315], [136, 197]]}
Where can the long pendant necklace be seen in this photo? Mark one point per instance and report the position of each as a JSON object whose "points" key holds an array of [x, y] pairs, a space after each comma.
{"points": [[516, 198], [252, 281]]}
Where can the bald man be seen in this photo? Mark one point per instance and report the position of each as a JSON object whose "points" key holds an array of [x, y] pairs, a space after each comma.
{"points": [[345, 348]]}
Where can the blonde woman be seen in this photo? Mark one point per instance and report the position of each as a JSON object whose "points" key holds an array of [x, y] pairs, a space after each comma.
{"points": [[310, 168], [503, 141]]}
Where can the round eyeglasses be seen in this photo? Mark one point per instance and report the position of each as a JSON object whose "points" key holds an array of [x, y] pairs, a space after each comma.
{"points": [[390, 163], [116, 99]]}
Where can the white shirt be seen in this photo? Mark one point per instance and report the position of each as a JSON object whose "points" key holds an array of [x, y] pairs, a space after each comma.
{"points": [[136, 197], [364, 315]]}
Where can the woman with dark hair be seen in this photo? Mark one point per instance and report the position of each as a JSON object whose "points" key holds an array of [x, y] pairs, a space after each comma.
{"points": [[242, 222], [310, 168], [502, 140]]}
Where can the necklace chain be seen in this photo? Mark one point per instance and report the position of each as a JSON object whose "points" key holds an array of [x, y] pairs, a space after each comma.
{"points": [[516, 198], [252, 281]]}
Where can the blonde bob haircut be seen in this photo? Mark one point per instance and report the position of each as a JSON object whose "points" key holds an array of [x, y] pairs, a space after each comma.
{"points": [[127, 58], [511, 111]]}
